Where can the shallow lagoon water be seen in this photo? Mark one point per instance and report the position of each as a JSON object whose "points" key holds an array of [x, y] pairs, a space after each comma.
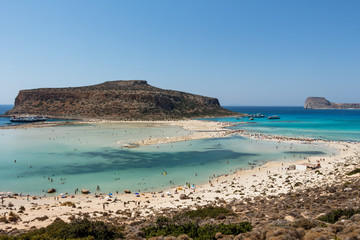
{"points": [[329, 124], [90, 155]]}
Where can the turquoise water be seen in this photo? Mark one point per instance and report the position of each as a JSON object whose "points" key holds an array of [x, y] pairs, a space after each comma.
{"points": [[299, 122], [89, 155]]}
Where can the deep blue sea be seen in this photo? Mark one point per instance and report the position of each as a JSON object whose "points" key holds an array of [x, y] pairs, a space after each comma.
{"points": [[3, 109]]}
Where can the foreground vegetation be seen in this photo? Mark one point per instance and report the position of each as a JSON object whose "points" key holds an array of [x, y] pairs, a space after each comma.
{"points": [[77, 229], [300, 215], [195, 231], [335, 215], [353, 172], [188, 223], [184, 223]]}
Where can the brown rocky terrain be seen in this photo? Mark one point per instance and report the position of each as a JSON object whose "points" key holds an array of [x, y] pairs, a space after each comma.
{"points": [[116, 100], [323, 103]]}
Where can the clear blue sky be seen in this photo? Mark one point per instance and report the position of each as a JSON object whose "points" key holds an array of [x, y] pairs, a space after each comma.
{"points": [[242, 52]]}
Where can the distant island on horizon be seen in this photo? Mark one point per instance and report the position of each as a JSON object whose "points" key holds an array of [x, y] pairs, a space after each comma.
{"points": [[323, 103], [116, 100]]}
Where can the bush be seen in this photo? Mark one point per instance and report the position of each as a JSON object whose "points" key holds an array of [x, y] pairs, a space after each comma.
{"points": [[335, 215], [195, 231], [307, 224], [3, 219], [187, 223], [77, 229], [298, 184], [68, 204], [355, 171], [210, 212], [13, 217]]}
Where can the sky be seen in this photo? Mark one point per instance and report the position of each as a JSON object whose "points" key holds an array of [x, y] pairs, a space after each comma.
{"points": [[243, 52]]}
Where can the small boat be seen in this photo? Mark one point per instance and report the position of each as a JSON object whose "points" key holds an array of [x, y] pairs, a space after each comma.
{"points": [[257, 115], [28, 119], [274, 117], [251, 118]]}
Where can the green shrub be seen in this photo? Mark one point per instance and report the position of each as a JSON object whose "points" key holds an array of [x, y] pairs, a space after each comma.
{"points": [[210, 212], [335, 215], [346, 184], [193, 230], [307, 224], [355, 171], [187, 223], [298, 184], [77, 229]]}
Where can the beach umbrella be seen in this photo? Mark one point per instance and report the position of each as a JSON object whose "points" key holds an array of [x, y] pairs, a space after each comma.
{"points": [[110, 194]]}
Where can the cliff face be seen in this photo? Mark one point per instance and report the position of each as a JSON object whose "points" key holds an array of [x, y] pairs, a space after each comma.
{"points": [[116, 100], [323, 103]]}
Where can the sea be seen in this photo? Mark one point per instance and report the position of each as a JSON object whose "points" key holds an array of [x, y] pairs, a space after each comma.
{"points": [[329, 124], [69, 157], [5, 120]]}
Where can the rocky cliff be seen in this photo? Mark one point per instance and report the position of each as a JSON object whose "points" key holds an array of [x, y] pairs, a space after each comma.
{"points": [[122, 100], [323, 103]]}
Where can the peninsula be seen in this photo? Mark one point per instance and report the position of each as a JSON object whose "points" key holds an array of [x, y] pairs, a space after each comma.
{"points": [[116, 100], [323, 103]]}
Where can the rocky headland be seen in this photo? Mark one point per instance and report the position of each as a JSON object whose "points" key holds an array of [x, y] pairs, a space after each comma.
{"points": [[116, 100], [323, 103]]}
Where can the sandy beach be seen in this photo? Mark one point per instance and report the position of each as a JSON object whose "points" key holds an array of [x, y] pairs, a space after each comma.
{"points": [[271, 178]]}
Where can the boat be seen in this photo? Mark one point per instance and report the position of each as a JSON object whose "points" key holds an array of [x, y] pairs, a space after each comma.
{"points": [[274, 117], [251, 118], [28, 119], [257, 115]]}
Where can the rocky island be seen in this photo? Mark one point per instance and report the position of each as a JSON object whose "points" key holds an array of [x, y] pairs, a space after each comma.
{"points": [[116, 100], [323, 103]]}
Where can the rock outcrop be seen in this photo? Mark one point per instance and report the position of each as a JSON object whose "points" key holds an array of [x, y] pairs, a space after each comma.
{"points": [[323, 103], [118, 100]]}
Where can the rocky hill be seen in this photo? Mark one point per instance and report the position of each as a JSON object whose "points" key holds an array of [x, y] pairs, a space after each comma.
{"points": [[323, 103], [120, 100]]}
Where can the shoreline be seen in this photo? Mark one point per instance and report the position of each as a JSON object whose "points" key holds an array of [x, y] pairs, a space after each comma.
{"points": [[262, 180]]}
